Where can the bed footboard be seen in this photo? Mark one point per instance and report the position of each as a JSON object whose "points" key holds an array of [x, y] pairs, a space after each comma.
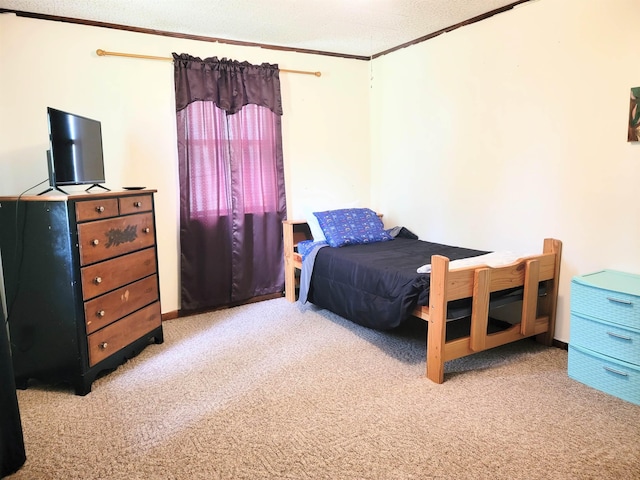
{"points": [[538, 315]]}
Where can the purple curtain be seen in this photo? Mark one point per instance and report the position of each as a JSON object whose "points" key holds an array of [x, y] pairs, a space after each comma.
{"points": [[232, 198]]}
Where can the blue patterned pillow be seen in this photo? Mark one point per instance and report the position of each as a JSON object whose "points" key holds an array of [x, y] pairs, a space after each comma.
{"points": [[352, 226]]}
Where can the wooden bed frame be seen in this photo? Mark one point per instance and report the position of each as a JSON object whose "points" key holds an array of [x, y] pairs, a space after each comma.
{"points": [[538, 314]]}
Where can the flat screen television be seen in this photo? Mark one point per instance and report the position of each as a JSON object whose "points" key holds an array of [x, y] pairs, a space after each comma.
{"points": [[75, 154]]}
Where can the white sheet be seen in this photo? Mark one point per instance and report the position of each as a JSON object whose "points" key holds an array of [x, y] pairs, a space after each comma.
{"points": [[493, 259]]}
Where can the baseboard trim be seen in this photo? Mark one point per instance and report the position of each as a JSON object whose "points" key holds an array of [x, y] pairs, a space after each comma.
{"points": [[559, 344], [169, 315]]}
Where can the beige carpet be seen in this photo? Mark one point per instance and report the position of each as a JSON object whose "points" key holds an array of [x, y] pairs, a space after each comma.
{"points": [[270, 390]]}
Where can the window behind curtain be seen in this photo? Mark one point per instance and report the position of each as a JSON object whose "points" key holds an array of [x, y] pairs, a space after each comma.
{"points": [[249, 137], [209, 164]]}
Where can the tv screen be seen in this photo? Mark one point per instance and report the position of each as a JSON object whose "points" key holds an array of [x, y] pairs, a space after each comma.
{"points": [[76, 149]]}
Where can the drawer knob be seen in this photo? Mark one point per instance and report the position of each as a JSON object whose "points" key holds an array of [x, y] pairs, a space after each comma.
{"points": [[95, 241], [103, 345], [137, 204], [97, 280], [100, 209], [100, 313], [146, 229]]}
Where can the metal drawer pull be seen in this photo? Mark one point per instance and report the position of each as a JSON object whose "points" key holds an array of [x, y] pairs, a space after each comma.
{"points": [[617, 372], [100, 209], [103, 345], [137, 204], [619, 300], [100, 313], [617, 335], [97, 280], [146, 230], [95, 241]]}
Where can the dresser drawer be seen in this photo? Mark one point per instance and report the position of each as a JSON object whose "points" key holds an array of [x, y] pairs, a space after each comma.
{"points": [[110, 339], [615, 377], [104, 239], [103, 277], [613, 306], [605, 338], [95, 209], [135, 204], [110, 307]]}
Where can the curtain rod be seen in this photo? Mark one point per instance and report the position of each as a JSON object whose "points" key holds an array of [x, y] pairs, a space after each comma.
{"points": [[104, 53]]}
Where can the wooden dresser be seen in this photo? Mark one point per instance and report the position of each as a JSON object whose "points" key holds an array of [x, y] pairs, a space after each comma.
{"points": [[81, 282], [604, 345]]}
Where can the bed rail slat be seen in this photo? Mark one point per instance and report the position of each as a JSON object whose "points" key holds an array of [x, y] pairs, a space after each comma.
{"points": [[530, 299], [480, 309], [460, 346]]}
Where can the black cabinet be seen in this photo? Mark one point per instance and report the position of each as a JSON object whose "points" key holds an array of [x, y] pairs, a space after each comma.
{"points": [[12, 453], [81, 283]]}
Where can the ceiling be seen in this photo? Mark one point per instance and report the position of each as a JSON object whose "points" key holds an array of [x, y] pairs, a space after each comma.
{"points": [[361, 28]]}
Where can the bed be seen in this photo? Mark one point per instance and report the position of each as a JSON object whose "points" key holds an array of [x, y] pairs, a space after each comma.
{"points": [[376, 284]]}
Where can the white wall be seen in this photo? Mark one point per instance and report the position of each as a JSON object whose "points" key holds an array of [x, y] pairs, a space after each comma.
{"points": [[45, 63], [513, 129]]}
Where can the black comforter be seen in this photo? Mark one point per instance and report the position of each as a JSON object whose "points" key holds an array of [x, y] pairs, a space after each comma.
{"points": [[376, 285]]}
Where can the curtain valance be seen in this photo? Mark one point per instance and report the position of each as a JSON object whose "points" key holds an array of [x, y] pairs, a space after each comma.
{"points": [[228, 83]]}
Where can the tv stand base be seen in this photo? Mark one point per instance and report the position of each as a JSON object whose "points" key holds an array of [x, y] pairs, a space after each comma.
{"points": [[50, 189], [99, 186]]}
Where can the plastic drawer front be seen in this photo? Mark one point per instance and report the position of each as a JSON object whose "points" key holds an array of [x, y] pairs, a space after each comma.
{"points": [[614, 377], [605, 338], [614, 306]]}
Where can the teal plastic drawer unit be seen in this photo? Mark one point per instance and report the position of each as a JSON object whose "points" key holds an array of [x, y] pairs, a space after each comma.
{"points": [[604, 347]]}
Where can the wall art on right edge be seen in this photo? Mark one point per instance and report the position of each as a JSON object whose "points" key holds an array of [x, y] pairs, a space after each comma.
{"points": [[634, 115]]}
